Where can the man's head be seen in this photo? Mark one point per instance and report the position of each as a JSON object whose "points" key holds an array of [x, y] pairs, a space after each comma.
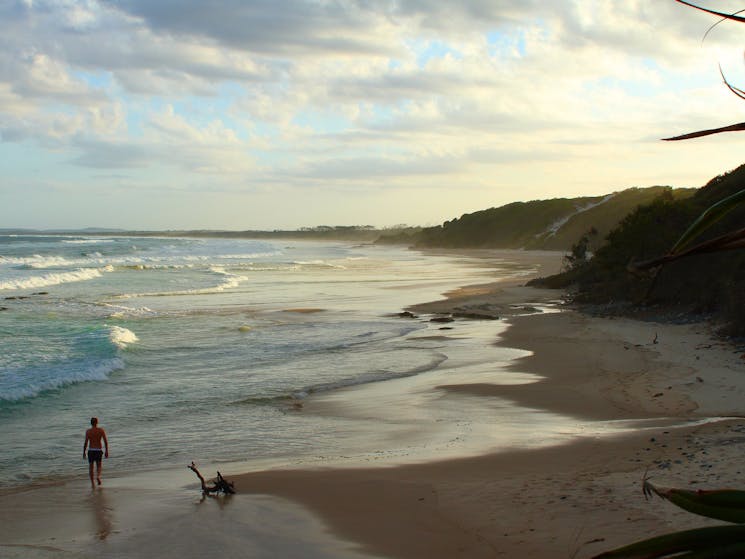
{"points": [[94, 421]]}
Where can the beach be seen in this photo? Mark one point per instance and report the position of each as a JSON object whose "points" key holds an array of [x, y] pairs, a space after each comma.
{"points": [[572, 500], [628, 399]]}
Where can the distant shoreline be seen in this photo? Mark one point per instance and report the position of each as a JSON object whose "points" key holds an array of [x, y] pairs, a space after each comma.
{"points": [[339, 233]]}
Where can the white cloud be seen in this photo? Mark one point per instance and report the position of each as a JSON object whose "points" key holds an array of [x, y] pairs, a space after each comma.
{"points": [[366, 94]]}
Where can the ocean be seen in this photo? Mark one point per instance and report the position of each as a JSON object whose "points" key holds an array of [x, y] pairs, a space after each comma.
{"points": [[204, 349]]}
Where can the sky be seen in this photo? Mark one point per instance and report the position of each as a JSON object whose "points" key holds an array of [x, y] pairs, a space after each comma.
{"points": [[282, 114]]}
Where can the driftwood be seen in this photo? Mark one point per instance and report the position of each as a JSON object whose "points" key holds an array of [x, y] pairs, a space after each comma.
{"points": [[220, 484]]}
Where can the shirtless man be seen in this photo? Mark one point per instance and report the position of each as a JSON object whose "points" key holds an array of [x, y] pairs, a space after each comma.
{"points": [[94, 436]]}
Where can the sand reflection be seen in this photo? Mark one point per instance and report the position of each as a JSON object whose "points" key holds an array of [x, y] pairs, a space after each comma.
{"points": [[221, 500], [102, 514]]}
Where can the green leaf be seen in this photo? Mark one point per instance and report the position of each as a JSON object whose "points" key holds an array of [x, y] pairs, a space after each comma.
{"points": [[734, 551], [732, 128], [715, 539], [708, 218], [725, 15]]}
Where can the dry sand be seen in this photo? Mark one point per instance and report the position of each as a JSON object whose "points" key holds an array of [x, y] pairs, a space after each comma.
{"points": [[572, 500]]}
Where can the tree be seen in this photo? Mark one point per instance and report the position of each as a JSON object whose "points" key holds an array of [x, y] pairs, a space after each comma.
{"points": [[579, 253]]}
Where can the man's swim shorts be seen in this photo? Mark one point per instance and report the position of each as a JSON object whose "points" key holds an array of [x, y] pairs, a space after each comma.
{"points": [[94, 455]]}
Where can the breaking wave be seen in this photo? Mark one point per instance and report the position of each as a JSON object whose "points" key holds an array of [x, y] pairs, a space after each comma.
{"points": [[28, 384], [229, 281], [45, 280], [121, 337]]}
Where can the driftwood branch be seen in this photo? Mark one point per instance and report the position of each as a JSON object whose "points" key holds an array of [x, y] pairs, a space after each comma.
{"points": [[219, 484]]}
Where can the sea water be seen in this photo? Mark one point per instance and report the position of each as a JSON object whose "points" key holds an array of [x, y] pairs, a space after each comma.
{"points": [[201, 349]]}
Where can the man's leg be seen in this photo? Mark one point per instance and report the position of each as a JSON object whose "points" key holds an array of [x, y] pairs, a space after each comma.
{"points": [[90, 473], [98, 471]]}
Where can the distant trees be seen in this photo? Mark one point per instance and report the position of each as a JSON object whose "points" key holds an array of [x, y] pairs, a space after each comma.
{"points": [[579, 253]]}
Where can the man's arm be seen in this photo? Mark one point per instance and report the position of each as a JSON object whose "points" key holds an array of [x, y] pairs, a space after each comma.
{"points": [[106, 445], [85, 444]]}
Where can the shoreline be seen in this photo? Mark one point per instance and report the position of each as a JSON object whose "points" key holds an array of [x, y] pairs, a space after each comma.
{"points": [[574, 499]]}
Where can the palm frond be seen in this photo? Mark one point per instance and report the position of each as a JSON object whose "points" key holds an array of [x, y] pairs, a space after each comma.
{"points": [[709, 30], [712, 215], [730, 241], [733, 17], [732, 128]]}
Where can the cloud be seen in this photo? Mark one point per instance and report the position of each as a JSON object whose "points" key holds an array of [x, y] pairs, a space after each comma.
{"points": [[365, 93], [292, 27], [113, 155]]}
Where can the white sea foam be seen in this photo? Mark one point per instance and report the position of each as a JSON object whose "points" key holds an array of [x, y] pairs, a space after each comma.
{"points": [[87, 241], [230, 281], [320, 264], [247, 256], [35, 261], [82, 274], [122, 311], [38, 261], [122, 337], [19, 388], [252, 267]]}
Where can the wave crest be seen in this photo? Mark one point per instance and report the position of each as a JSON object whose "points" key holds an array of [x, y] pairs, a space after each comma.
{"points": [[33, 282], [20, 387], [122, 337], [229, 281]]}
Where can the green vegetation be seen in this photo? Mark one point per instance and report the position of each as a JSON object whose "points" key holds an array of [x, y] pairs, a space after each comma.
{"points": [[605, 217], [510, 226], [579, 254], [361, 233], [709, 283], [537, 225]]}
